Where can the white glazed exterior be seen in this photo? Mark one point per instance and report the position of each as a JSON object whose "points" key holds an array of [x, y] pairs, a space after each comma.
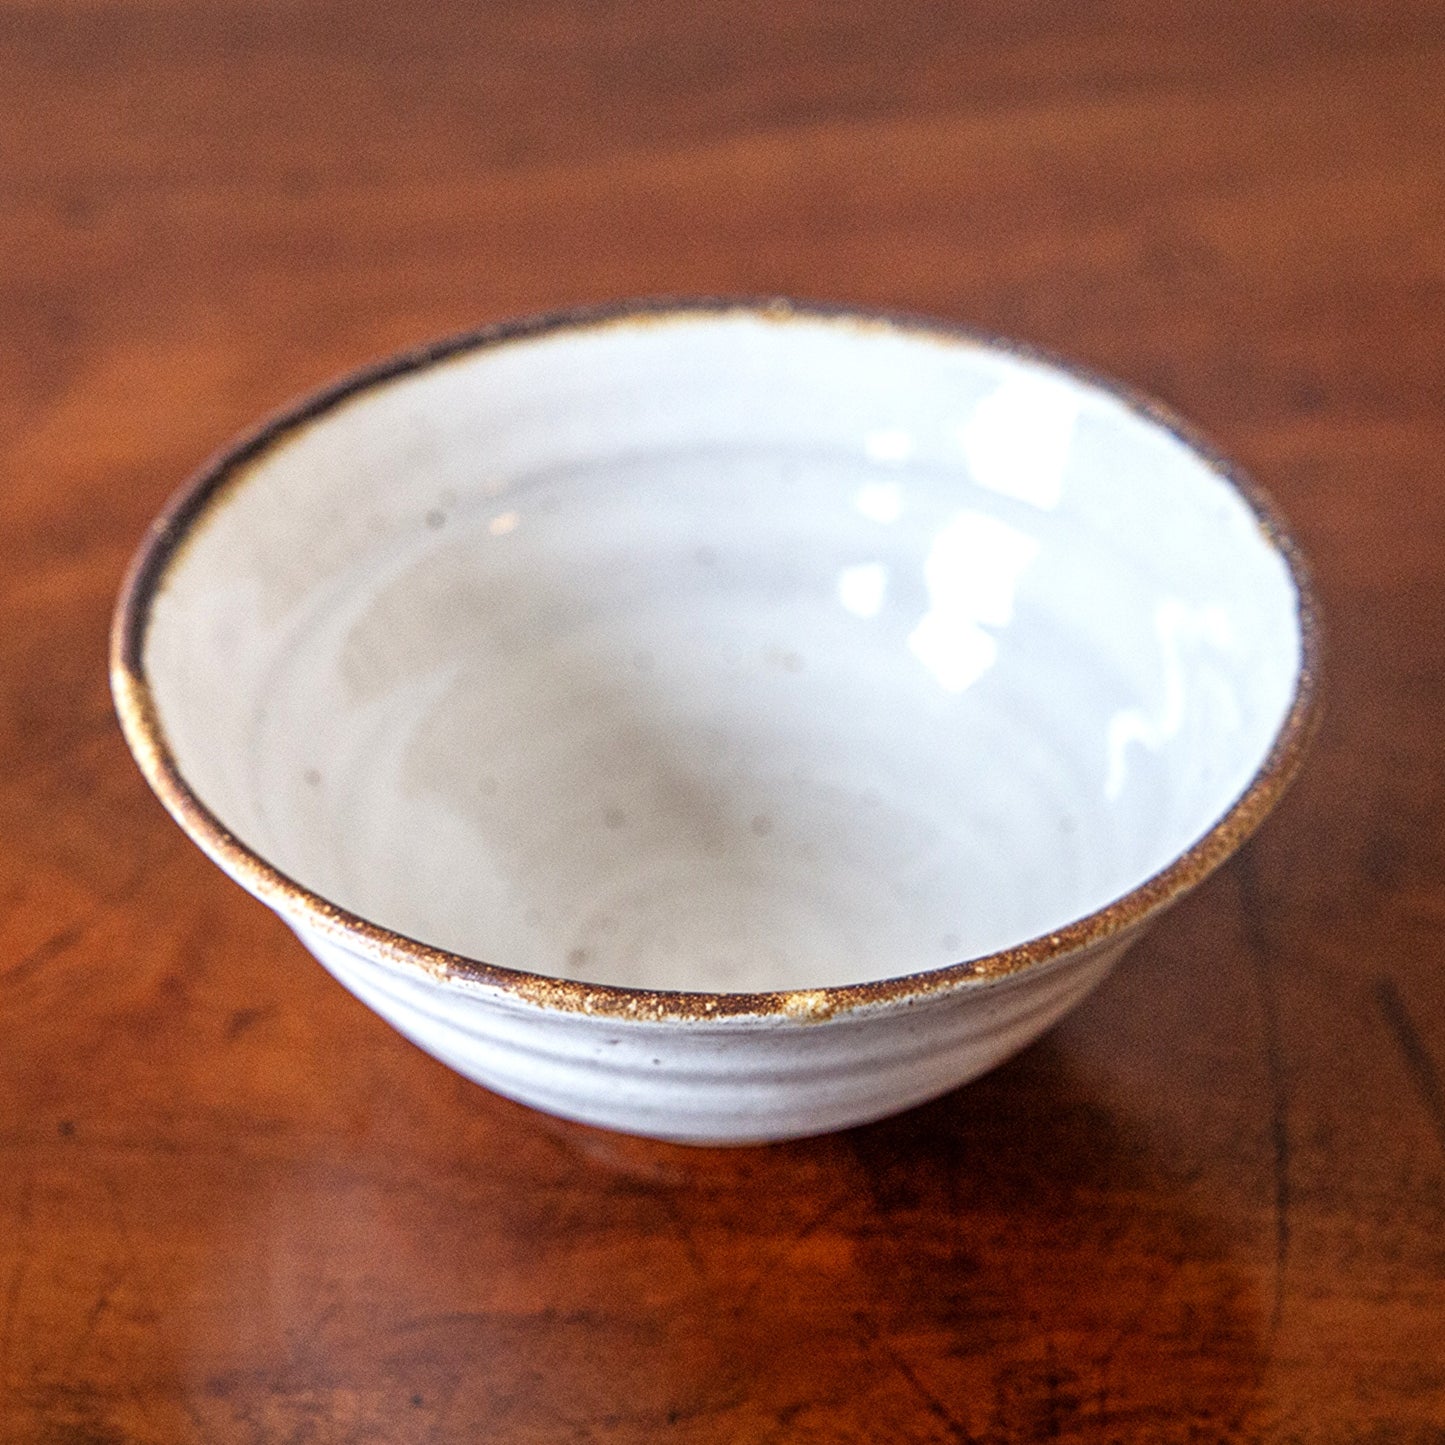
{"points": [[307, 664], [739, 1079]]}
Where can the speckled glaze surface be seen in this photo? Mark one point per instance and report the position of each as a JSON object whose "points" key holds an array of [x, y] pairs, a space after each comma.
{"points": [[722, 722]]}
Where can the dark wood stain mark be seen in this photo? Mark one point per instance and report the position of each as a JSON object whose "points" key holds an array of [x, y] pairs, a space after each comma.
{"points": [[53, 947], [244, 1019]]}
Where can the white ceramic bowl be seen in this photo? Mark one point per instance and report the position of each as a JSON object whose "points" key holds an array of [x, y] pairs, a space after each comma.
{"points": [[721, 722]]}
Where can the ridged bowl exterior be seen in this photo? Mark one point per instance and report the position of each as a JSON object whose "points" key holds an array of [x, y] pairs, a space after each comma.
{"points": [[733, 1080]]}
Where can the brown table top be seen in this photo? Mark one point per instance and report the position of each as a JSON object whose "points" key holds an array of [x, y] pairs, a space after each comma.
{"points": [[1211, 1205]]}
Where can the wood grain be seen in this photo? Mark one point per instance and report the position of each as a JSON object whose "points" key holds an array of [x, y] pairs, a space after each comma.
{"points": [[1211, 1206]]}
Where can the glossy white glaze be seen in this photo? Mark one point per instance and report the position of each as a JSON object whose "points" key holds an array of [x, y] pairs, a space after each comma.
{"points": [[724, 652]]}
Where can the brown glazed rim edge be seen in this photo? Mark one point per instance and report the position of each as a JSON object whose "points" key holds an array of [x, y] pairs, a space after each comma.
{"points": [[300, 906]]}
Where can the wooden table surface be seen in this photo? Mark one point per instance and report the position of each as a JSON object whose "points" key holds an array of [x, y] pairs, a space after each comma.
{"points": [[1210, 1206]]}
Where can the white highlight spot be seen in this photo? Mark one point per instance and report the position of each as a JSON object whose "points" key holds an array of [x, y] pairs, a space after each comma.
{"points": [[972, 574], [861, 589], [1179, 628], [880, 501], [889, 445], [1017, 441]]}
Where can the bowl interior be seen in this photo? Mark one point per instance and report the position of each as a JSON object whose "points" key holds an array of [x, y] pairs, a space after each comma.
{"points": [[724, 651]]}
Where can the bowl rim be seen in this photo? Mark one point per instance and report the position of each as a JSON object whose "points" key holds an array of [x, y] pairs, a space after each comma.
{"points": [[303, 908]]}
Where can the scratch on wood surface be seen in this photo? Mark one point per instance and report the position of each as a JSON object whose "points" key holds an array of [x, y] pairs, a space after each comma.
{"points": [[1258, 946], [1418, 1063], [18, 1271], [121, 1267], [1130, 1328], [682, 1229], [929, 1400]]}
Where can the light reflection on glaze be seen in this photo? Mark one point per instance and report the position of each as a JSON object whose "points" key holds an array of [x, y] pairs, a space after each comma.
{"points": [[1017, 440], [1181, 629], [972, 573], [861, 589], [879, 501], [890, 446]]}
